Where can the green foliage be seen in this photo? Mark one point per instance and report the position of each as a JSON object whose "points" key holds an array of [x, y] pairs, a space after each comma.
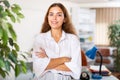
{"points": [[114, 36], [9, 49]]}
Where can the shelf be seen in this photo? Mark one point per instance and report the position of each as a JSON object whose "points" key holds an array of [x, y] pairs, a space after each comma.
{"points": [[84, 19]]}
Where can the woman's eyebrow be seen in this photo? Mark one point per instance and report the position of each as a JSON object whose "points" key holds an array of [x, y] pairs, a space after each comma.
{"points": [[57, 12]]}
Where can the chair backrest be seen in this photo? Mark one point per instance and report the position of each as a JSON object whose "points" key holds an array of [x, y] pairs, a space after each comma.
{"points": [[84, 59]]}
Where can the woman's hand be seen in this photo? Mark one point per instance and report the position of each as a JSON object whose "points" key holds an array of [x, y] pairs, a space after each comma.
{"points": [[66, 59], [62, 67], [41, 53], [55, 62]]}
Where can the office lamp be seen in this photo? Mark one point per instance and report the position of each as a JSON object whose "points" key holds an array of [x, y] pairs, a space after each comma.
{"points": [[91, 54]]}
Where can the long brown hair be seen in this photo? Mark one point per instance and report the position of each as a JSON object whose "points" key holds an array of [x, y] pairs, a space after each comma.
{"points": [[67, 26]]}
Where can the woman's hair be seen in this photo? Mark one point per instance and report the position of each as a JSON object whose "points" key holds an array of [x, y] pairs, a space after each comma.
{"points": [[67, 26]]}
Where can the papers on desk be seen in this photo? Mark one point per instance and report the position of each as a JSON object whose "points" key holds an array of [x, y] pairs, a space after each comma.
{"points": [[104, 71]]}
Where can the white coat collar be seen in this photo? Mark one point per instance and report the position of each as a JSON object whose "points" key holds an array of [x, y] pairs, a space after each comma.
{"points": [[49, 36]]}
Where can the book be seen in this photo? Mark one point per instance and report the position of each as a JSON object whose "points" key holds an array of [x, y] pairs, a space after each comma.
{"points": [[104, 70]]}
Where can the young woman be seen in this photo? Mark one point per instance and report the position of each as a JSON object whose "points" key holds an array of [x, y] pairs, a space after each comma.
{"points": [[56, 51]]}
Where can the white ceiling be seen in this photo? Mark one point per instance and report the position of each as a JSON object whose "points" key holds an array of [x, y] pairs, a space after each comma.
{"points": [[96, 3], [88, 1]]}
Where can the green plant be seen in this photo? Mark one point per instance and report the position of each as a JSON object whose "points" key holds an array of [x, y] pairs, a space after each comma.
{"points": [[9, 49], [114, 36]]}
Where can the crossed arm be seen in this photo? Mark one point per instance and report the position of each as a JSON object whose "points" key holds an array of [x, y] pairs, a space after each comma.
{"points": [[55, 63]]}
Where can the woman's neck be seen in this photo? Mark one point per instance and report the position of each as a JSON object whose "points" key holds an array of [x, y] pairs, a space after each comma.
{"points": [[56, 34]]}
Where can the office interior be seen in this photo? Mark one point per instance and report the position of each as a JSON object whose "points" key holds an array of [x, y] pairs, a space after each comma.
{"points": [[91, 19]]}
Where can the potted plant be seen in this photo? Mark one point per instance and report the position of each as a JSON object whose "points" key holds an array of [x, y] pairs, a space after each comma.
{"points": [[114, 37], [9, 49]]}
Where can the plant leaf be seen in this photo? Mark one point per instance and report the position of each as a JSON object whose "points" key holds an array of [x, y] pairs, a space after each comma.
{"points": [[14, 52], [3, 14], [2, 64], [15, 10], [2, 73], [17, 70], [12, 17], [6, 3], [11, 41], [20, 15], [13, 58], [7, 65], [12, 32], [1, 8], [24, 56], [1, 31], [6, 50], [24, 66], [16, 47], [5, 37], [17, 6]]}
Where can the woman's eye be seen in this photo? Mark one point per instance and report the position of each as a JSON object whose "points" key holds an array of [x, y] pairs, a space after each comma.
{"points": [[50, 14], [59, 14]]}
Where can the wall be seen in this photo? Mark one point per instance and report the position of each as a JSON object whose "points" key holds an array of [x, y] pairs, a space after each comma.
{"points": [[34, 11], [104, 17]]}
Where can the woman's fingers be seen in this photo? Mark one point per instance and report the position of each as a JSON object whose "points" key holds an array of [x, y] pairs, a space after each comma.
{"points": [[41, 53]]}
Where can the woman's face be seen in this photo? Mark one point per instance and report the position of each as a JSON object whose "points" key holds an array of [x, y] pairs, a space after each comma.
{"points": [[55, 18]]}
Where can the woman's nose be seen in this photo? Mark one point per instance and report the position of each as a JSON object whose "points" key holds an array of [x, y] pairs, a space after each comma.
{"points": [[55, 17]]}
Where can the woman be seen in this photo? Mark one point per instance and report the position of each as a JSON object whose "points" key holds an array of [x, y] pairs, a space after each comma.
{"points": [[56, 50]]}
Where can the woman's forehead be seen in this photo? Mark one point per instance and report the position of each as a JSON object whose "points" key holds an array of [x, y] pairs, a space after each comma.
{"points": [[56, 9]]}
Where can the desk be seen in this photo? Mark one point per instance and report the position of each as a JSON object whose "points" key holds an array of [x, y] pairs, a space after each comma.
{"points": [[111, 77]]}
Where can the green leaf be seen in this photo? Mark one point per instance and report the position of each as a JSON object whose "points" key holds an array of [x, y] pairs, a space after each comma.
{"points": [[15, 10], [3, 14], [1, 31], [17, 6], [17, 70], [12, 66], [12, 32], [24, 56], [20, 15], [18, 19], [2, 73], [11, 41], [16, 47], [6, 3], [6, 50], [12, 17], [7, 65], [24, 70], [24, 67], [1, 8], [5, 37], [1, 51], [13, 58], [2, 64], [15, 53]]}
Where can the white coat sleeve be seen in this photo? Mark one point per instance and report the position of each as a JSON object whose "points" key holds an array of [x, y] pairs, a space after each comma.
{"points": [[75, 64], [39, 64]]}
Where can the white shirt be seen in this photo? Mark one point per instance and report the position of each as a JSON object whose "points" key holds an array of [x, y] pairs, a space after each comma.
{"points": [[68, 46]]}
